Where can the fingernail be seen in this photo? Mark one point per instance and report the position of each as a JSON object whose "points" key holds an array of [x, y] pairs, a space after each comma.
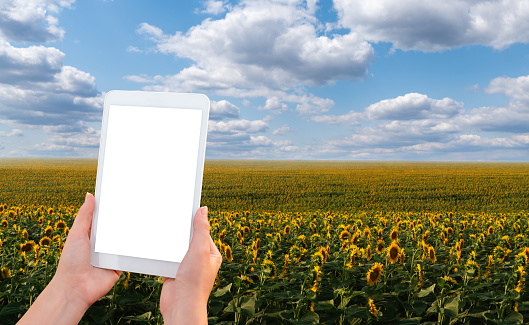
{"points": [[204, 211], [86, 196]]}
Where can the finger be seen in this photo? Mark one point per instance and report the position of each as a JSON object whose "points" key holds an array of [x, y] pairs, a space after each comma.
{"points": [[200, 230], [83, 220], [213, 249], [214, 254]]}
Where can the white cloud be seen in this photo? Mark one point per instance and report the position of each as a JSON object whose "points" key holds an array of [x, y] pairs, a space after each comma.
{"points": [[437, 25], [412, 106], [284, 129], [351, 118], [414, 124], [30, 64], [516, 88], [223, 109], [268, 49], [237, 126], [31, 20], [260, 140], [38, 91], [12, 133], [274, 104], [134, 49], [215, 7]]}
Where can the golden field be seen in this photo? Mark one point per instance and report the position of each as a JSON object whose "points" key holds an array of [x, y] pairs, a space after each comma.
{"points": [[304, 242]]}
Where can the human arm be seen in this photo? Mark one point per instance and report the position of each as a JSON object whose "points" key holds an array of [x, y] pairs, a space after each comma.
{"points": [[184, 298], [76, 284]]}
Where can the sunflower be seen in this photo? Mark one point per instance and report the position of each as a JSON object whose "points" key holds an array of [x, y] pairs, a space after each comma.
{"points": [[367, 232], [269, 264], [286, 230], [490, 231], [25, 234], [45, 241], [28, 246], [6, 273], [345, 235], [374, 275], [50, 211], [473, 266], [227, 253], [60, 224], [419, 272], [373, 309], [394, 234], [380, 246], [48, 231], [426, 235], [352, 258], [240, 237], [127, 279], [286, 264], [431, 254], [393, 252], [368, 252], [449, 231], [5, 223], [245, 229]]}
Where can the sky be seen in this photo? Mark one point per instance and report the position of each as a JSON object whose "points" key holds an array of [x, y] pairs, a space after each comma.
{"points": [[443, 80]]}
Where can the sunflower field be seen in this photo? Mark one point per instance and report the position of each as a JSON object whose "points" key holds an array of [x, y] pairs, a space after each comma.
{"points": [[304, 242]]}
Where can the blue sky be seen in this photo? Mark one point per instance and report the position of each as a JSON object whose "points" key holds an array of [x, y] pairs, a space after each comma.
{"points": [[343, 79]]}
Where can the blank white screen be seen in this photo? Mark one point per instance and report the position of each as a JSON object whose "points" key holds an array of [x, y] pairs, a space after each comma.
{"points": [[147, 187]]}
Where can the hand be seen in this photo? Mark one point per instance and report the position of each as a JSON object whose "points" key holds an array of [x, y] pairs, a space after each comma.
{"points": [[76, 284], [74, 269], [184, 298]]}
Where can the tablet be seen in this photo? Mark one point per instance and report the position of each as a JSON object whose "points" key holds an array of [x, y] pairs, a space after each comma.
{"points": [[149, 180]]}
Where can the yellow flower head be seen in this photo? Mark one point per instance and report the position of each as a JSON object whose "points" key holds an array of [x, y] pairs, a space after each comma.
{"points": [[6, 273], [48, 231], [45, 241], [368, 252], [60, 224], [380, 246], [28, 246], [393, 252], [431, 254], [227, 253], [345, 235], [374, 274], [394, 234], [269, 264], [373, 309], [419, 272]]}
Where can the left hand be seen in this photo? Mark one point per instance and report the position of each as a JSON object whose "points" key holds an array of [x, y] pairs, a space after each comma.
{"points": [[74, 270], [76, 284]]}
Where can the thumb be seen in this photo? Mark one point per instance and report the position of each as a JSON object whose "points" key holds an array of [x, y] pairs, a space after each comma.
{"points": [[83, 221], [201, 235]]}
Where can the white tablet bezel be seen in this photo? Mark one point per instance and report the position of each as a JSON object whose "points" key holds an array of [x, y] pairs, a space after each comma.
{"points": [[147, 99]]}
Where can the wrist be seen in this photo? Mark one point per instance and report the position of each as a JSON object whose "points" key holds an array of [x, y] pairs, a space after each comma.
{"points": [[60, 305], [188, 311], [75, 301]]}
